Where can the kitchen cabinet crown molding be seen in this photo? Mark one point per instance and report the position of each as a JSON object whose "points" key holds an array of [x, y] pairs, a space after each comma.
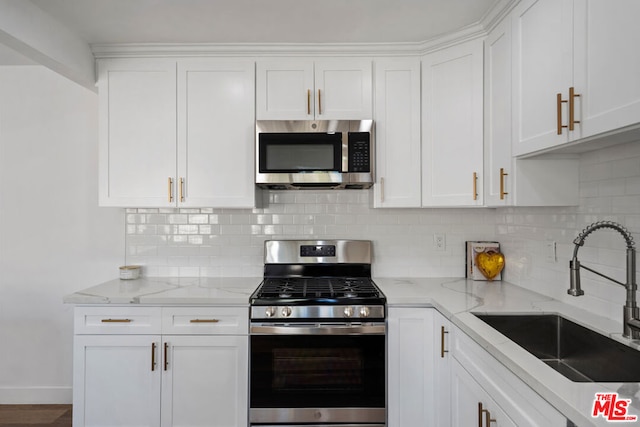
{"points": [[138, 50]]}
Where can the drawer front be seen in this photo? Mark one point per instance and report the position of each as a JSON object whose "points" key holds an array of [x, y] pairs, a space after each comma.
{"points": [[205, 320], [117, 320]]}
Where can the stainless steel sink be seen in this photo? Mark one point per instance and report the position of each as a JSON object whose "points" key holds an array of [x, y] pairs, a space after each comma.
{"points": [[576, 352]]}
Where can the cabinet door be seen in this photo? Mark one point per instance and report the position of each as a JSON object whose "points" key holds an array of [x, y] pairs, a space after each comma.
{"points": [[115, 381], [285, 90], [497, 106], [542, 68], [441, 370], [215, 134], [606, 64], [137, 141], [469, 402], [411, 355], [397, 120], [452, 149], [205, 381], [343, 89]]}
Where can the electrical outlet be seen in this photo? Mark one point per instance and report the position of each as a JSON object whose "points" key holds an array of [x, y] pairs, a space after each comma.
{"points": [[439, 242], [550, 251]]}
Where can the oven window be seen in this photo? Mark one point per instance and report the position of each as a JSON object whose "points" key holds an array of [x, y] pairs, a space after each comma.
{"points": [[317, 371], [300, 152]]}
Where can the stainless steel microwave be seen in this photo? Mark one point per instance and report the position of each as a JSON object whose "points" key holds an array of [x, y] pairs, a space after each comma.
{"points": [[314, 154]]}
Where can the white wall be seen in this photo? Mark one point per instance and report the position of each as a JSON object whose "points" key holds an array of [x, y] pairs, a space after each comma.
{"points": [[54, 239]]}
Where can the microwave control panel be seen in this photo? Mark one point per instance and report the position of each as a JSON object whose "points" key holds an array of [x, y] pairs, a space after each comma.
{"points": [[359, 152]]}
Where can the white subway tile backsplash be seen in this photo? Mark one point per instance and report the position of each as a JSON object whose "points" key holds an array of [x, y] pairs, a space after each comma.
{"points": [[229, 242], [609, 190]]}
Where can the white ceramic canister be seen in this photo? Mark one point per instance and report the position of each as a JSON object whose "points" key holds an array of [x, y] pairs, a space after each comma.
{"points": [[129, 272]]}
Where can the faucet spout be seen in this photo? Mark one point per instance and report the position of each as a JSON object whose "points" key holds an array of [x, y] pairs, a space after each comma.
{"points": [[631, 313]]}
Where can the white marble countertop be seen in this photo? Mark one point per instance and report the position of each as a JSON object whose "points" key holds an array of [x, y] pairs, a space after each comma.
{"points": [[456, 298], [169, 291]]}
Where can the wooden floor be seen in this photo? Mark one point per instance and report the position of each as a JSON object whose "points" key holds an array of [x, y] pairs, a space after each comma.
{"points": [[35, 415]]}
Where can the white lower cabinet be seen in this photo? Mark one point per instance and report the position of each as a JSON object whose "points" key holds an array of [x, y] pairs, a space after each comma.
{"points": [[438, 376], [477, 378], [471, 405], [204, 381], [125, 379], [418, 368], [114, 381]]}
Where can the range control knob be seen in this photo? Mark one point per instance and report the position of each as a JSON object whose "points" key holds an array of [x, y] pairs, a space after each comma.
{"points": [[286, 311], [364, 311], [270, 311], [348, 311]]}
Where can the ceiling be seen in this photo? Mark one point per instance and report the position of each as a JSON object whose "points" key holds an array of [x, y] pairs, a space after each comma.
{"points": [[264, 21]]}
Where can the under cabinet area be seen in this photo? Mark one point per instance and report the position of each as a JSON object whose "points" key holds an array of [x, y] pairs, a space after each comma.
{"points": [[160, 366], [304, 89], [176, 133]]}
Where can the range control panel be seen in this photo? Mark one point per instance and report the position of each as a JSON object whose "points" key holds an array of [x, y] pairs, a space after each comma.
{"points": [[317, 250]]}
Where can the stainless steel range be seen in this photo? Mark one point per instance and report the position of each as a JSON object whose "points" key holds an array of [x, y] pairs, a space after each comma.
{"points": [[318, 337]]}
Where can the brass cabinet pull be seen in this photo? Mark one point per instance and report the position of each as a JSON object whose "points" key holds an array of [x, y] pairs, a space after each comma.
{"points": [[572, 102], [442, 350], [181, 189], [116, 320], [166, 352], [502, 175], [308, 101], [204, 320], [484, 413], [153, 356], [559, 102], [170, 185], [319, 103], [475, 186]]}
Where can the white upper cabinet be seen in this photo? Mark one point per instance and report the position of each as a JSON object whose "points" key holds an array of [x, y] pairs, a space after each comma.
{"points": [[508, 181], [301, 89], [216, 133], [176, 133], [397, 121], [575, 74], [137, 149], [542, 68], [452, 149], [606, 65]]}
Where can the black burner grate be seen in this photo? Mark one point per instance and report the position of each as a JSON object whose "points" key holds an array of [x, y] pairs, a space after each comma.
{"points": [[317, 287]]}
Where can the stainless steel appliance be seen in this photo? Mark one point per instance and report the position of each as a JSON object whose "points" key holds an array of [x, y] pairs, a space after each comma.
{"points": [[299, 154], [317, 337]]}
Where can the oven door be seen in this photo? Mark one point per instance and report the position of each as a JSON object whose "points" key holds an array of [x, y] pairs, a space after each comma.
{"points": [[330, 377]]}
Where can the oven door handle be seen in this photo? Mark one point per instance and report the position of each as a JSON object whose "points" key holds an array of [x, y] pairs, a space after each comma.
{"points": [[375, 329]]}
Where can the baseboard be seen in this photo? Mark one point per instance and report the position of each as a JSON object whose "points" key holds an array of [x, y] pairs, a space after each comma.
{"points": [[35, 395]]}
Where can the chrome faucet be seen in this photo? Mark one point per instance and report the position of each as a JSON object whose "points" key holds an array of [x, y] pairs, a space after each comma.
{"points": [[631, 314]]}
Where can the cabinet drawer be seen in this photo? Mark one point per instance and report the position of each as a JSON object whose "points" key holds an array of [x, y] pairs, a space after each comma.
{"points": [[117, 320], [205, 320]]}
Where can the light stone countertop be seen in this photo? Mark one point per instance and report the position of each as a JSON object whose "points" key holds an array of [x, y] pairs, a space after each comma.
{"points": [[455, 298]]}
